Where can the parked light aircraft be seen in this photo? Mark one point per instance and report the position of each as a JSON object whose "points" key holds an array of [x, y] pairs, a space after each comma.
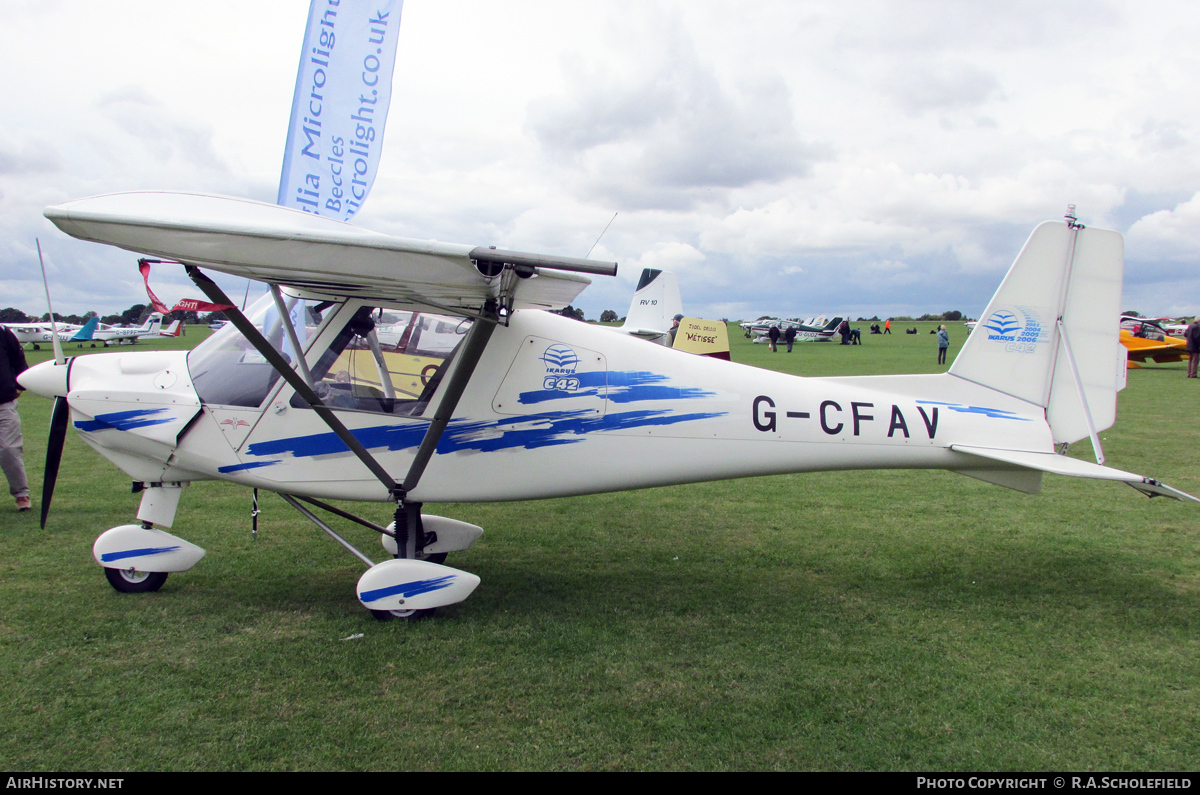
{"points": [[1173, 327], [1147, 339], [37, 333], [815, 329], [94, 331], [300, 395], [82, 333]]}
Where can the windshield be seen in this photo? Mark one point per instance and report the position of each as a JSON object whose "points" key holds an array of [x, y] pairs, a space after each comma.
{"points": [[226, 369]]}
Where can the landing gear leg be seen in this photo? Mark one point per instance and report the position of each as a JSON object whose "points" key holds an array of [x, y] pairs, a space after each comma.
{"points": [[410, 544]]}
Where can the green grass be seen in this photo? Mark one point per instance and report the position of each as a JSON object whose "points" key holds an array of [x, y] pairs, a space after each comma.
{"points": [[836, 621]]}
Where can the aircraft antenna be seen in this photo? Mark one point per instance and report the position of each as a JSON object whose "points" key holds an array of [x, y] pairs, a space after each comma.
{"points": [[610, 223], [58, 354]]}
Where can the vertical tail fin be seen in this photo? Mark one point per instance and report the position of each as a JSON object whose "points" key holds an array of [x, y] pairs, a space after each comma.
{"points": [[85, 333], [1050, 333], [654, 306]]}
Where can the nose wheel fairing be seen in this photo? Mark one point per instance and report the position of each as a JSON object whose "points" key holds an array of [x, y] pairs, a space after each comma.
{"points": [[135, 548]]}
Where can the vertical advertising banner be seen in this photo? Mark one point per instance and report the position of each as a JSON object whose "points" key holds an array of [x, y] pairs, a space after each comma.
{"points": [[343, 89]]}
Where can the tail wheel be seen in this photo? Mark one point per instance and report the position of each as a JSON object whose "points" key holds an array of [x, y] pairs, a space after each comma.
{"points": [[132, 581]]}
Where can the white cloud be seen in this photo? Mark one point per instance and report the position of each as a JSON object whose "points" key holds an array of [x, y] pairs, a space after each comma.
{"points": [[793, 157], [1170, 234]]}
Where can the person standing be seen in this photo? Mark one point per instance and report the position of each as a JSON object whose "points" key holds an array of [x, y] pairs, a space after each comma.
{"points": [[773, 333], [12, 444], [943, 344], [887, 326], [789, 337], [1192, 335]]}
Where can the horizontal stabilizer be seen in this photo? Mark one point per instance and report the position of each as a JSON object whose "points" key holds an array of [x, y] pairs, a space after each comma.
{"points": [[1074, 467]]}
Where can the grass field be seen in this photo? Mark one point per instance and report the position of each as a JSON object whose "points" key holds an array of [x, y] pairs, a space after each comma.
{"points": [[836, 621]]}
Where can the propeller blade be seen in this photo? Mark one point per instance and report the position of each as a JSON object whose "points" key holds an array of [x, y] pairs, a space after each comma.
{"points": [[54, 448]]}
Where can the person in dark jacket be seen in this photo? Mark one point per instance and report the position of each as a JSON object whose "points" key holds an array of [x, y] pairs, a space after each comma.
{"points": [[1192, 335], [773, 334], [12, 445], [789, 337]]}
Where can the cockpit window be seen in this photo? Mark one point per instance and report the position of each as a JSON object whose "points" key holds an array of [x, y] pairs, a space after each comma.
{"points": [[226, 369], [386, 360]]}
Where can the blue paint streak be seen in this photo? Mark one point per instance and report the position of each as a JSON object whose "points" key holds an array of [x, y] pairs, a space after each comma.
{"points": [[547, 430], [123, 420], [996, 414], [251, 465], [542, 430], [619, 387], [408, 589], [137, 553], [390, 437]]}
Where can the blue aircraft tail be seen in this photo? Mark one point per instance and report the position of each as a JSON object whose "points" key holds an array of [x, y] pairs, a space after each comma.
{"points": [[84, 334]]}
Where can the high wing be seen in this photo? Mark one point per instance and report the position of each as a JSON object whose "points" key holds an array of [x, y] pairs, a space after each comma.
{"points": [[295, 249]]}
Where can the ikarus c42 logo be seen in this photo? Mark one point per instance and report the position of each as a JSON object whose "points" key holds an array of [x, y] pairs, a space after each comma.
{"points": [[561, 362], [1019, 329]]}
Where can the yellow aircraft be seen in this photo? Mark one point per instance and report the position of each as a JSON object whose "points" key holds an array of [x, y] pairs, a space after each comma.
{"points": [[1146, 339], [408, 348]]}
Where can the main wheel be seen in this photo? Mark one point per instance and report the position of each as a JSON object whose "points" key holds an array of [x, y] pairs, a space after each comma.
{"points": [[132, 581], [403, 615]]}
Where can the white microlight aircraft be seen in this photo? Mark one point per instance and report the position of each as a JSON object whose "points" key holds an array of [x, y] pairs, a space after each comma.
{"points": [[477, 395]]}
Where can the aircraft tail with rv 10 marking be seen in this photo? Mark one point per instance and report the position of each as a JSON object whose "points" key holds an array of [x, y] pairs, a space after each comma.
{"points": [[656, 302]]}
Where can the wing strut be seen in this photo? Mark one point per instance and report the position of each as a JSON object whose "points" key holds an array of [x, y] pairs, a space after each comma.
{"points": [[408, 514], [1083, 402], [297, 382]]}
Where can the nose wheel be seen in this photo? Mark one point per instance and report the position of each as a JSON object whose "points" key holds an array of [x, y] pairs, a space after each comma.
{"points": [[134, 581], [402, 615]]}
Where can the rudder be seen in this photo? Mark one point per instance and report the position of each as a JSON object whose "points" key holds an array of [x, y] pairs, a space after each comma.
{"points": [[1063, 271]]}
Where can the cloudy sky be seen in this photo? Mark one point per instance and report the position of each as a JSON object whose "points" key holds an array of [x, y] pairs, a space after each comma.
{"points": [[782, 157]]}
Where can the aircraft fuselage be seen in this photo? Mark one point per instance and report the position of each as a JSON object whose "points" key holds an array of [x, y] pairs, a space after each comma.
{"points": [[555, 407]]}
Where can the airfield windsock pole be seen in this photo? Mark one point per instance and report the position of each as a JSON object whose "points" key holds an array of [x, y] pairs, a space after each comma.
{"points": [[343, 90]]}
